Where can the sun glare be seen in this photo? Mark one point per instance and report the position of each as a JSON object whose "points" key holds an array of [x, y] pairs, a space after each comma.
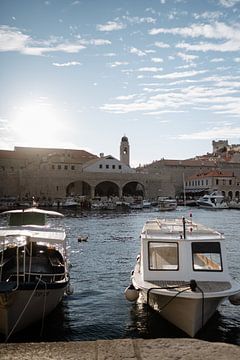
{"points": [[37, 124]]}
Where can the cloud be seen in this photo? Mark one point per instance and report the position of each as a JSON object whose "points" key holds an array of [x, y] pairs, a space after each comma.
{"points": [[228, 3], [216, 60], [208, 15], [118, 63], [187, 57], [214, 133], [216, 30], [157, 60], [96, 42], [139, 20], [12, 39], [178, 75], [70, 63], [111, 26], [150, 69], [161, 45], [228, 46], [220, 96], [136, 51]]}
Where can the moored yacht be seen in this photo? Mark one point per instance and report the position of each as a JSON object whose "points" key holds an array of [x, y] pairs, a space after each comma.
{"points": [[166, 204], [182, 273], [33, 268], [213, 201]]}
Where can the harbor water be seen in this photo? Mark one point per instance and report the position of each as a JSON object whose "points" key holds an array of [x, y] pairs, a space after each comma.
{"points": [[100, 272]]}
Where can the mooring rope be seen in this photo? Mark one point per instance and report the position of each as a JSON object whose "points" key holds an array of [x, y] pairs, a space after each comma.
{"points": [[24, 309]]}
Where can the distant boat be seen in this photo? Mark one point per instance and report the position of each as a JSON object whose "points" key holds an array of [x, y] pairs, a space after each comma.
{"points": [[147, 204], [182, 273], [233, 204], [70, 202], [213, 201], [33, 268], [166, 204], [136, 205]]}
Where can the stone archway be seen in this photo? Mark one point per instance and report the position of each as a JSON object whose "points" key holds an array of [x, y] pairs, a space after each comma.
{"points": [[133, 188], [78, 188], [230, 195], [107, 188]]}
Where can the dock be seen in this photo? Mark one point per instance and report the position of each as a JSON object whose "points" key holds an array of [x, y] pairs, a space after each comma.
{"points": [[129, 349]]}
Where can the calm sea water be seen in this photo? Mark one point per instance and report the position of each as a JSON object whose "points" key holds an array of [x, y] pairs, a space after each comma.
{"points": [[100, 273]]}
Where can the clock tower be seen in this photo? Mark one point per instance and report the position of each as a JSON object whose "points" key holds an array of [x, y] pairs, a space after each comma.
{"points": [[124, 150]]}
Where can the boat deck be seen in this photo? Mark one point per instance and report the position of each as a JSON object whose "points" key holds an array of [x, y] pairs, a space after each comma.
{"points": [[174, 229]]}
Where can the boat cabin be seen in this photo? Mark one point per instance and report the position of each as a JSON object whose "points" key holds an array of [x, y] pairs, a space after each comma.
{"points": [[177, 249]]}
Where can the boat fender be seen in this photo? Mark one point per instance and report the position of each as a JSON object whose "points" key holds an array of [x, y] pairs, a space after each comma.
{"points": [[193, 285], [235, 299], [131, 294], [69, 290]]}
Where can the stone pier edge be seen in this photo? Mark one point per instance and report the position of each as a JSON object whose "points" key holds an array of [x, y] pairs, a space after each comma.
{"points": [[129, 349]]}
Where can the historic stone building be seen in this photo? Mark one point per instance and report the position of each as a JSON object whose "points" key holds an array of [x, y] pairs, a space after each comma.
{"points": [[57, 173], [225, 182]]}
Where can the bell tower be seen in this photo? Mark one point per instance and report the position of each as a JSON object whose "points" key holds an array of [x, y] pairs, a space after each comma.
{"points": [[124, 150]]}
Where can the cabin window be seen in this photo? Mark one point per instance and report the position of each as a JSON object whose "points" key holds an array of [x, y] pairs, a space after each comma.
{"points": [[163, 256], [206, 256]]}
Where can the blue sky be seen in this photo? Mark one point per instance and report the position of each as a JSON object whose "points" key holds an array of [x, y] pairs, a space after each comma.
{"points": [[81, 74]]}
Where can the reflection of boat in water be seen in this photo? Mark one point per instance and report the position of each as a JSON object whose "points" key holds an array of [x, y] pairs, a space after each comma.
{"points": [[215, 200], [166, 204], [33, 268], [182, 273]]}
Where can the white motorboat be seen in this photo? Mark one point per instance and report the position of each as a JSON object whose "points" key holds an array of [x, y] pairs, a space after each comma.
{"points": [[33, 268], [146, 204], [136, 205], [182, 273], [213, 201], [166, 204], [70, 203]]}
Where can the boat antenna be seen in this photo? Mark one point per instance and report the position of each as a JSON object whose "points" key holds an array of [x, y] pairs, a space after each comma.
{"points": [[184, 227]]}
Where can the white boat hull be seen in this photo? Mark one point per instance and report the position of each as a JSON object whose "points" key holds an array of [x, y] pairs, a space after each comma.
{"points": [[21, 308], [187, 314]]}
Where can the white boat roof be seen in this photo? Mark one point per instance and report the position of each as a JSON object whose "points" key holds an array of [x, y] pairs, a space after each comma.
{"points": [[173, 229], [35, 233], [32, 210]]}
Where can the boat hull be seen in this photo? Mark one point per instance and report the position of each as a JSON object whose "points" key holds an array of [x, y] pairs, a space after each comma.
{"points": [[186, 313], [23, 307]]}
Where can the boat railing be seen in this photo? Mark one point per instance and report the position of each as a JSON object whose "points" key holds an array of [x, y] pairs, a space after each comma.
{"points": [[34, 276]]}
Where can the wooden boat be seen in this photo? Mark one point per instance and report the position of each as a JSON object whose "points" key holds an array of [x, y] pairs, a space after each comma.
{"points": [[182, 273], [33, 268]]}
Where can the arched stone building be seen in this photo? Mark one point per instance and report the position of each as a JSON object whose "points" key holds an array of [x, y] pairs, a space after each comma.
{"points": [[57, 173]]}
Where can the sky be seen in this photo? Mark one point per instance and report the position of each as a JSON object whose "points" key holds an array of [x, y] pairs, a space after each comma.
{"points": [[80, 74]]}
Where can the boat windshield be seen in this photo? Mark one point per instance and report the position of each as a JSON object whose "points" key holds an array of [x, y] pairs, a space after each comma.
{"points": [[163, 256], [206, 256]]}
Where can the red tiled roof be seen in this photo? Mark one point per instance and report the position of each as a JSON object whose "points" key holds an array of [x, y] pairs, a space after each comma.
{"points": [[214, 173], [29, 152]]}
